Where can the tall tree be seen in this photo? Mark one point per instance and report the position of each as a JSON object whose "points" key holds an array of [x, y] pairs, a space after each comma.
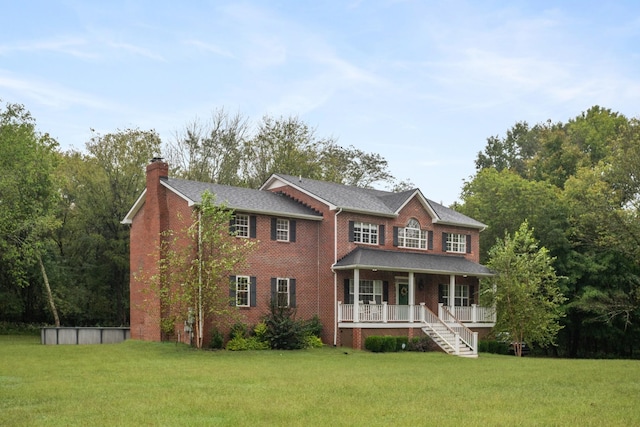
{"points": [[210, 151], [524, 291], [116, 178], [27, 198]]}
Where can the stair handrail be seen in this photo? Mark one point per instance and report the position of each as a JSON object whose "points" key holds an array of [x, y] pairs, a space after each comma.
{"points": [[431, 318], [469, 337]]}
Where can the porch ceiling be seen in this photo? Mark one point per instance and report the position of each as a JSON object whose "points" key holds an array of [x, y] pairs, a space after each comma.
{"points": [[367, 258]]}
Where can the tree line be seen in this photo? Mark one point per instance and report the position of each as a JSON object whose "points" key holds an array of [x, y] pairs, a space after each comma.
{"points": [[577, 185], [64, 255]]}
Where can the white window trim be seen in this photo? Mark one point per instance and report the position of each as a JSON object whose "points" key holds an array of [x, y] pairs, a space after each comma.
{"points": [[365, 229], [376, 294], [286, 281], [420, 240], [456, 243], [280, 222], [462, 295], [242, 280], [242, 227]]}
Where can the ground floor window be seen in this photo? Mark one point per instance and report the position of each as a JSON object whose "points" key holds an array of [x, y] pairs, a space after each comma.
{"points": [[242, 291], [370, 291], [463, 297]]}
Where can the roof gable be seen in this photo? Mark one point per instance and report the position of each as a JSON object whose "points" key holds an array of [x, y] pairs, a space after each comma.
{"points": [[237, 198], [370, 201]]}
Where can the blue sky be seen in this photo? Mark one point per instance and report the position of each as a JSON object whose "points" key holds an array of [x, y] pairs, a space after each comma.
{"points": [[423, 83]]}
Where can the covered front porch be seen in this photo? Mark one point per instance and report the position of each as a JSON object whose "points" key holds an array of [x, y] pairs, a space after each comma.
{"points": [[407, 290]]}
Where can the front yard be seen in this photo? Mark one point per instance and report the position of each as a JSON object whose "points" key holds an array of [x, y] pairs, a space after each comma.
{"points": [[139, 383]]}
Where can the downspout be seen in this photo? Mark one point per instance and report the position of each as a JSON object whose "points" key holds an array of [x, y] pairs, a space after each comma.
{"points": [[335, 278], [200, 320]]}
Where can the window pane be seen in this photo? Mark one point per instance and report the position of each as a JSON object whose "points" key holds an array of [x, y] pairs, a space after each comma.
{"points": [[282, 230], [242, 225], [242, 291]]}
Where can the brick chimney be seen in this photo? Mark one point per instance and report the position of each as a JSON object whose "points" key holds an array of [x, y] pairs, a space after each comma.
{"points": [[146, 239]]}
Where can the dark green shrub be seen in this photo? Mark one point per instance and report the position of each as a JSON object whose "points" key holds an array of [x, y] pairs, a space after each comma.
{"points": [[498, 347], [402, 343], [313, 326], [239, 329], [421, 343], [217, 340], [373, 343], [284, 332], [388, 344]]}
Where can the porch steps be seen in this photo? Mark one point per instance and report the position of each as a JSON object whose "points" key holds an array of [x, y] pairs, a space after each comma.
{"points": [[443, 336]]}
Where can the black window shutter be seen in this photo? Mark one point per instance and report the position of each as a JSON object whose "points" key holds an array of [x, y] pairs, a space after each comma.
{"points": [[274, 222], [252, 226], [347, 296], [395, 236], [274, 290], [430, 240], [471, 296], [351, 238], [444, 242], [381, 234], [252, 292], [232, 225], [292, 293], [385, 291], [292, 231], [441, 293], [468, 243], [232, 290]]}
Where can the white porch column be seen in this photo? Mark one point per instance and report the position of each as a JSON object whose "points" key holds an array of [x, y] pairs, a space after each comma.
{"points": [[452, 293], [412, 296], [356, 295]]}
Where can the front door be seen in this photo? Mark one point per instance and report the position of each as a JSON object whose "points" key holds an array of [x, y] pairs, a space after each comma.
{"points": [[403, 294]]}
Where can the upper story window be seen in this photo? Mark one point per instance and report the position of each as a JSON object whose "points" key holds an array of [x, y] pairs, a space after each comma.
{"points": [[365, 233], [242, 225], [412, 236], [283, 230], [456, 243]]}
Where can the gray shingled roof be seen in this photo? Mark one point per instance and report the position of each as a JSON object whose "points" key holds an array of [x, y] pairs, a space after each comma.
{"points": [[377, 202], [410, 261], [242, 199]]}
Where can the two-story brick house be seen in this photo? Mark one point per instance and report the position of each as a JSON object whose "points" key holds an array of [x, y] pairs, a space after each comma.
{"points": [[367, 262]]}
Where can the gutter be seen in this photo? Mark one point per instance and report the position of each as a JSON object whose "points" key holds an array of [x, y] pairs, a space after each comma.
{"points": [[335, 277]]}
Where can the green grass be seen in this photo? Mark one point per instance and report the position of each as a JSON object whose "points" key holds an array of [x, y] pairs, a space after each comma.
{"points": [[138, 383]]}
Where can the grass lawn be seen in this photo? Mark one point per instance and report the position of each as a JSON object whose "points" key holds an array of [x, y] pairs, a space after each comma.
{"points": [[138, 383]]}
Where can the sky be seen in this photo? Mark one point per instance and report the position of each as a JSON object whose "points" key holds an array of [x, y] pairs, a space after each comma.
{"points": [[422, 83]]}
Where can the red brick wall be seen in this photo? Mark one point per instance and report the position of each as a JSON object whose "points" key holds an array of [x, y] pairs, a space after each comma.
{"points": [[308, 260]]}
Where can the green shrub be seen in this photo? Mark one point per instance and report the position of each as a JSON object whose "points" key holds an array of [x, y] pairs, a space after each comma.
{"points": [[373, 343], [421, 343], [284, 332], [402, 343], [237, 343], [388, 344], [238, 329], [312, 341], [313, 326], [217, 340]]}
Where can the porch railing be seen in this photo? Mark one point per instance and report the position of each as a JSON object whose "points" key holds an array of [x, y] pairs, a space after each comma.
{"points": [[412, 313], [467, 335]]}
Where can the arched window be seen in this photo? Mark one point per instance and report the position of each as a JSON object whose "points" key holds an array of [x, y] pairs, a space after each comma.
{"points": [[412, 236]]}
